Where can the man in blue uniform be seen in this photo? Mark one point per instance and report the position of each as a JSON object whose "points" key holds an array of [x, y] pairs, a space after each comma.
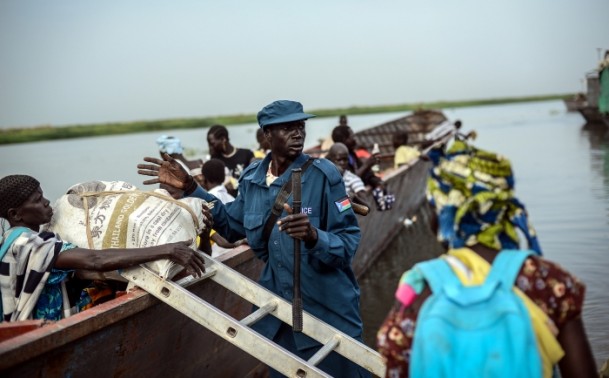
{"points": [[326, 226]]}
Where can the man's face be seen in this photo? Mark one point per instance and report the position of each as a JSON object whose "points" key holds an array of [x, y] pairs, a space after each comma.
{"points": [[287, 139], [216, 145], [341, 159]]}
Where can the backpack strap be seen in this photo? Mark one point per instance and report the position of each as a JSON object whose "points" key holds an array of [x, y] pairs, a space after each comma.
{"points": [[507, 265], [13, 234], [9, 238], [438, 274], [282, 197]]}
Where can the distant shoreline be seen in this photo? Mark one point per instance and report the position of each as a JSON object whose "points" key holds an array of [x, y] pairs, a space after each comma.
{"points": [[45, 133]]}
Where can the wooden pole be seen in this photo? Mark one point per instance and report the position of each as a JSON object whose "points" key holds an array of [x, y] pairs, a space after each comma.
{"points": [[296, 205]]}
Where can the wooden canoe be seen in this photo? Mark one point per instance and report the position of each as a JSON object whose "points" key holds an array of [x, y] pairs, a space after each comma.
{"points": [[407, 183]]}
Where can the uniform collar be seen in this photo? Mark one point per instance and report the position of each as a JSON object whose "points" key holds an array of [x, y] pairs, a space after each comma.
{"points": [[259, 176]]}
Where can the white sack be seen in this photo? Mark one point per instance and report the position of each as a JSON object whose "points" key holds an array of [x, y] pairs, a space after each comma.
{"points": [[129, 219]]}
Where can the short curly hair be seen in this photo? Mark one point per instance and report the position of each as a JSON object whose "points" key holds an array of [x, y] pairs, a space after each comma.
{"points": [[213, 171], [15, 190], [341, 133], [218, 131]]}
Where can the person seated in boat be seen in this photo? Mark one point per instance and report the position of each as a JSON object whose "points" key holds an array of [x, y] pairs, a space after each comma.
{"points": [[263, 145], [460, 135], [235, 159], [362, 168], [383, 198], [173, 147], [36, 265], [440, 137], [339, 155], [404, 153], [213, 182], [479, 217], [326, 227], [214, 175]]}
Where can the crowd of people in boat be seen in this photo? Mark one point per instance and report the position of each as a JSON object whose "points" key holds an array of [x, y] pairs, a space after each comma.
{"points": [[488, 307]]}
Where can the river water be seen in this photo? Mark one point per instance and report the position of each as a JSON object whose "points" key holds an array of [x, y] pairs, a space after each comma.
{"points": [[561, 170]]}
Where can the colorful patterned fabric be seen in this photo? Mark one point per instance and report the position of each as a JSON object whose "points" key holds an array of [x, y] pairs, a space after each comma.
{"points": [[97, 292], [30, 259], [384, 199], [472, 191], [555, 291], [50, 303], [24, 271]]}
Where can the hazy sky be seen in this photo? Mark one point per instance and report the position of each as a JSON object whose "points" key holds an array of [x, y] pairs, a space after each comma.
{"points": [[78, 61]]}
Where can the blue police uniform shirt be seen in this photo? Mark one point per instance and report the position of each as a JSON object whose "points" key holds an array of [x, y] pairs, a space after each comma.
{"points": [[328, 286]]}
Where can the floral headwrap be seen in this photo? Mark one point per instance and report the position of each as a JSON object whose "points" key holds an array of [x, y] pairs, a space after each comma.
{"points": [[472, 191]]}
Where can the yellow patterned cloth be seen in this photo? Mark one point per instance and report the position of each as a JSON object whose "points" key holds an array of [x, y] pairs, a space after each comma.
{"points": [[472, 191]]}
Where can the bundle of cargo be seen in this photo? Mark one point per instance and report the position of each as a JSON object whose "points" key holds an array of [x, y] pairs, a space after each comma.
{"points": [[115, 214]]}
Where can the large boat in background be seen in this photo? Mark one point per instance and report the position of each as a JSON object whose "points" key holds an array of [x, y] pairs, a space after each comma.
{"points": [[595, 108], [407, 183], [135, 335]]}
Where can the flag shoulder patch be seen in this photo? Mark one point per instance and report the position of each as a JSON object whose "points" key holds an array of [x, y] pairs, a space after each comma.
{"points": [[343, 204]]}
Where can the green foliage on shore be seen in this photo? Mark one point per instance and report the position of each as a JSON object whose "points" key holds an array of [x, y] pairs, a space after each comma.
{"points": [[43, 133]]}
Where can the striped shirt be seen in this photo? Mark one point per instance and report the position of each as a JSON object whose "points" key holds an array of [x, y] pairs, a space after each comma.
{"points": [[353, 183]]}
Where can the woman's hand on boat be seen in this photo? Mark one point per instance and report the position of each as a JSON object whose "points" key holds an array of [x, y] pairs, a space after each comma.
{"points": [[167, 171], [182, 254], [297, 226]]}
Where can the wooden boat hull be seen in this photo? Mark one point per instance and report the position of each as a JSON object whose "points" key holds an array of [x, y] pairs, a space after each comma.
{"points": [[136, 336], [379, 228], [408, 184]]}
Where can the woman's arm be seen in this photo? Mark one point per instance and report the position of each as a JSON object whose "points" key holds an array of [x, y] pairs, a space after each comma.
{"points": [[578, 360], [117, 258]]}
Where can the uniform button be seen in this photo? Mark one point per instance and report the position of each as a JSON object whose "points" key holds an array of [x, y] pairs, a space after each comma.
{"points": [[279, 265], [275, 242]]}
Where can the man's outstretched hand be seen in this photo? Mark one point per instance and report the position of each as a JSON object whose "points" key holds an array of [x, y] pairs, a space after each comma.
{"points": [[167, 171]]}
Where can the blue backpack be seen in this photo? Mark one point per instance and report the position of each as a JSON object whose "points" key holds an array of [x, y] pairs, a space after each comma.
{"points": [[474, 331]]}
